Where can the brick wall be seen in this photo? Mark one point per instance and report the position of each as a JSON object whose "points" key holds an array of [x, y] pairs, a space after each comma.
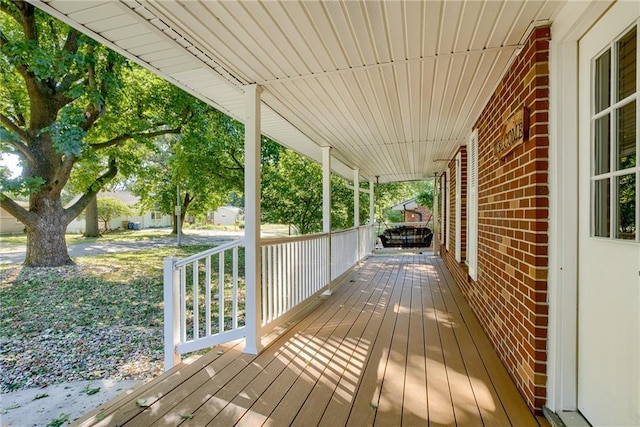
{"points": [[510, 295]]}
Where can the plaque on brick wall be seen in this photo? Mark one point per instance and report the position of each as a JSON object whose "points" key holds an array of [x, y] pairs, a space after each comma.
{"points": [[515, 132]]}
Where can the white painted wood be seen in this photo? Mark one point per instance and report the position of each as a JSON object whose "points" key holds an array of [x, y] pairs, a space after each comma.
{"points": [[356, 198], [171, 314], [472, 205], [195, 298], [326, 189], [372, 203], [568, 27], [436, 218], [608, 270], [252, 219]]}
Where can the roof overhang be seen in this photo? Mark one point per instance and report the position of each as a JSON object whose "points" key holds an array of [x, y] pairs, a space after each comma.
{"points": [[389, 85]]}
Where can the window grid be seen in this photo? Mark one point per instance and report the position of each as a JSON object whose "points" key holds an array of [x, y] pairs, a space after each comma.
{"points": [[606, 206]]}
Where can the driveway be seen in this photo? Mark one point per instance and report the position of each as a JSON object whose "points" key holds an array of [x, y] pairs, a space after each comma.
{"points": [[195, 237]]}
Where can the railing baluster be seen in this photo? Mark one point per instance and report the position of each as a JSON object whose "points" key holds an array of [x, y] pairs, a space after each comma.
{"points": [[196, 301], [183, 304], [221, 291], [234, 295], [270, 287], [207, 298]]}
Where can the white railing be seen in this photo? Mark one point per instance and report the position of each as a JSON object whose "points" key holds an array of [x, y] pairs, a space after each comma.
{"points": [[293, 270], [344, 251], [202, 302], [367, 241], [204, 293]]}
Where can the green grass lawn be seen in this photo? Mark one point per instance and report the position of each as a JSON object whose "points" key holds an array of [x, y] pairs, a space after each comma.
{"points": [[17, 240], [45, 309]]}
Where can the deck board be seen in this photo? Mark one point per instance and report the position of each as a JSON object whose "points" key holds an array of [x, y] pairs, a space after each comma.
{"points": [[396, 344]]}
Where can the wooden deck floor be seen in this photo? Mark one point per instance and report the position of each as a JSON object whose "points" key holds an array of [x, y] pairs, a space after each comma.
{"points": [[396, 344]]}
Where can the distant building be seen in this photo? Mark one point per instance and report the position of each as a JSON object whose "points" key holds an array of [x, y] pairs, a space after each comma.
{"points": [[8, 223], [412, 212], [225, 215], [145, 219]]}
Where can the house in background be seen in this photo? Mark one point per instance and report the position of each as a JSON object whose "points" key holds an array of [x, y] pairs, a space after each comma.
{"points": [[225, 215], [412, 212], [9, 224]]}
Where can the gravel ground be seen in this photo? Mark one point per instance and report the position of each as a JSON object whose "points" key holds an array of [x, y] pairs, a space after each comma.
{"points": [[69, 324]]}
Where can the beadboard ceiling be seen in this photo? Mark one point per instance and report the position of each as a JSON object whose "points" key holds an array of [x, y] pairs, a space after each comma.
{"points": [[392, 86]]}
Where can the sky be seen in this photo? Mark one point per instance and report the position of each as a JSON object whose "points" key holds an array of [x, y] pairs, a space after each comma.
{"points": [[11, 161]]}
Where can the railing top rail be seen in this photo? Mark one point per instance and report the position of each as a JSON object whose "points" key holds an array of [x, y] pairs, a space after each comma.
{"points": [[304, 237], [288, 239], [209, 252], [346, 230]]}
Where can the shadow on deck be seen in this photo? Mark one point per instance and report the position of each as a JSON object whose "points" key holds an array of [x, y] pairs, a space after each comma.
{"points": [[396, 344]]}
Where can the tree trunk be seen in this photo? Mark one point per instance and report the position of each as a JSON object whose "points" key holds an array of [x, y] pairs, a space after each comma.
{"points": [[46, 245], [92, 228], [183, 215]]}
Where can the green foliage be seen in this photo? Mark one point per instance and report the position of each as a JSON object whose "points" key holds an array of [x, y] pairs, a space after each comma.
{"points": [[76, 114], [205, 161], [425, 197], [292, 194]]}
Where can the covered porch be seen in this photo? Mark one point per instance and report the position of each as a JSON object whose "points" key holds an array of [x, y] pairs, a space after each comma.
{"points": [[395, 344]]}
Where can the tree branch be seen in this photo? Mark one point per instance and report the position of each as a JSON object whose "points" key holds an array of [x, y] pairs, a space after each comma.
{"points": [[71, 44], [23, 215], [73, 211], [28, 22], [124, 137], [20, 146], [5, 8], [237, 162]]}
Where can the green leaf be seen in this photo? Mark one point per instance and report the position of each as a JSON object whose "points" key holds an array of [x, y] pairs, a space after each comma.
{"points": [[59, 421], [186, 416], [40, 396]]}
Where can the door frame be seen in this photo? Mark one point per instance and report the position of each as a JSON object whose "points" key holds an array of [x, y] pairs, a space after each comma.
{"points": [[571, 23]]}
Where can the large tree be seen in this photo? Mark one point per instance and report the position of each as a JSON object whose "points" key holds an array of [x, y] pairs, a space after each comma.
{"points": [[206, 162], [66, 100]]}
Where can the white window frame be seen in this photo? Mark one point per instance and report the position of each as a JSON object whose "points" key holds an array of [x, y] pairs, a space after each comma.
{"points": [[614, 172], [472, 205], [458, 231]]}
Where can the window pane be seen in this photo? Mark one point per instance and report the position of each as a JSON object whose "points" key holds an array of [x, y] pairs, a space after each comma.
{"points": [[626, 226], [627, 64], [603, 81], [601, 212], [626, 136], [602, 145]]}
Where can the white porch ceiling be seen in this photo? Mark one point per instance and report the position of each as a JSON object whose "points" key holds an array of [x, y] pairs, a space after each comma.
{"points": [[392, 86]]}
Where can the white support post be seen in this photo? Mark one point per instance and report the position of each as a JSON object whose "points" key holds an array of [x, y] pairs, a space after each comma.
{"points": [[356, 198], [372, 212], [372, 204], [326, 207], [171, 314], [253, 268], [435, 238]]}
